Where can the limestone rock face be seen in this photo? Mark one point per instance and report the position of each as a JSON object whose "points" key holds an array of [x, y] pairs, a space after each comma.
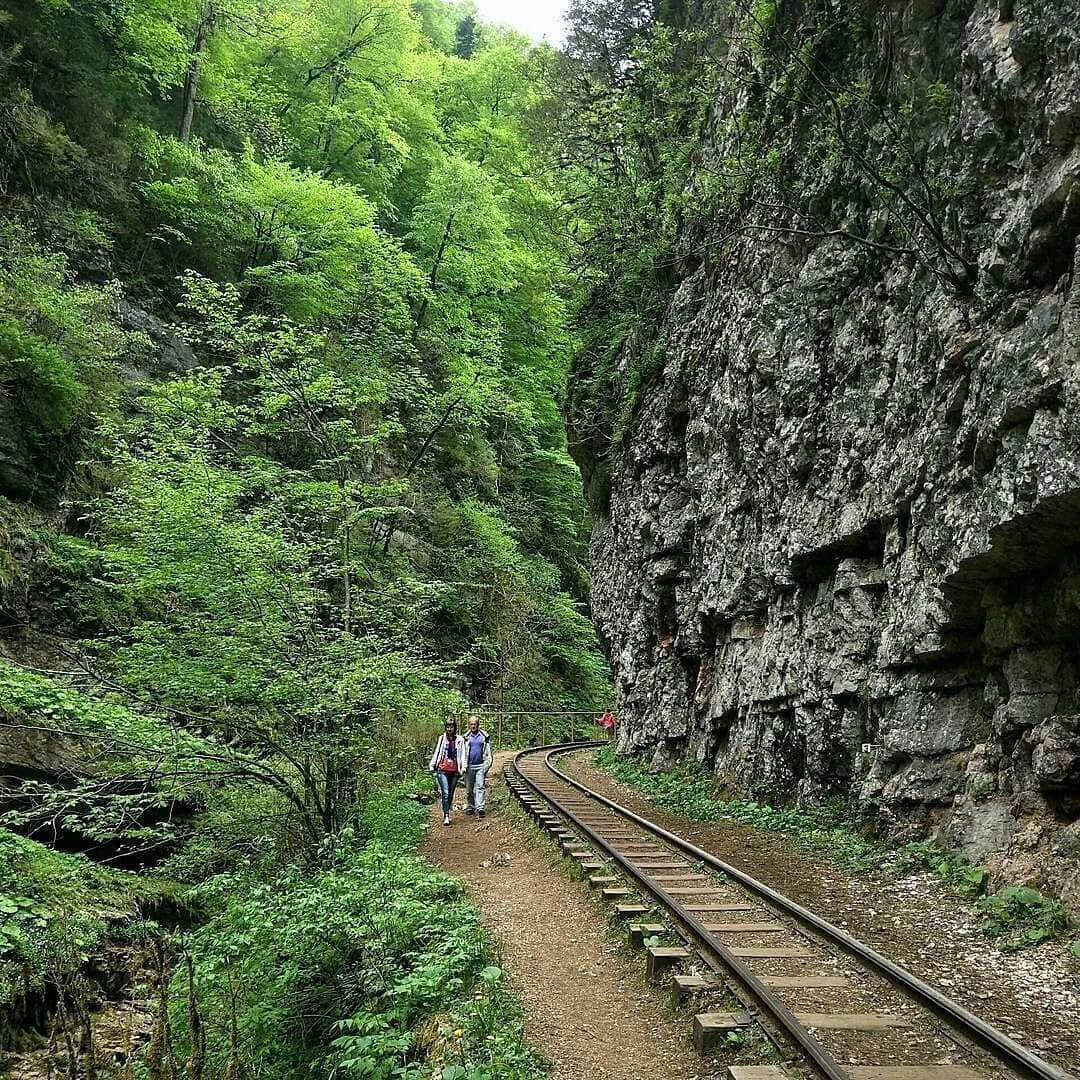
{"points": [[841, 553]]}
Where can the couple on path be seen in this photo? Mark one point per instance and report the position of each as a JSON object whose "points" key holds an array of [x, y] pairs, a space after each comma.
{"points": [[456, 755]]}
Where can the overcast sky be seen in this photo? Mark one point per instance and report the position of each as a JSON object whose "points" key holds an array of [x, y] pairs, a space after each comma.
{"points": [[537, 18]]}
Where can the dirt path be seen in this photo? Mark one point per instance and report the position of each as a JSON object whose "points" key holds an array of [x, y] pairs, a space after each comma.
{"points": [[1034, 995], [587, 1007]]}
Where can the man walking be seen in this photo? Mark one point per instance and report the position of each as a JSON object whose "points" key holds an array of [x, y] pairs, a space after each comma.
{"points": [[478, 761]]}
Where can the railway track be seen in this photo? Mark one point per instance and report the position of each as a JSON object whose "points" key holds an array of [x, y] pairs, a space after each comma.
{"points": [[749, 956]]}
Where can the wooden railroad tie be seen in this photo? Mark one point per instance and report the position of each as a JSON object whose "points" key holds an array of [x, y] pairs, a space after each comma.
{"points": [[712, 1027], [852, 1021], [661, 957], [686, 985], [640, 931], [599, 881]]}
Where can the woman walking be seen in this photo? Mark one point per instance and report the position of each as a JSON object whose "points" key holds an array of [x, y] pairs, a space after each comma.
{"points": [[446, 764]]}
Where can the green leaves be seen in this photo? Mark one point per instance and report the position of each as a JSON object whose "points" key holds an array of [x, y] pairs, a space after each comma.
{"points": [[1019, 917]]}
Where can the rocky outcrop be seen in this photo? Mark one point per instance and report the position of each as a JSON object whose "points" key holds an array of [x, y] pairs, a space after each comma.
{"points": [[841, 552]]}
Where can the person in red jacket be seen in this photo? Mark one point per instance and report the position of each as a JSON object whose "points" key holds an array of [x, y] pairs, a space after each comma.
{"points": [[447, 764], [607, 722]]}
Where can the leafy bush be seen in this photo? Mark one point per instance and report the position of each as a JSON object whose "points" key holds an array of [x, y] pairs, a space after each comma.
{"points": [[44, 379], [56, 908], [956, 870], [1019, 916], [373, 966]]}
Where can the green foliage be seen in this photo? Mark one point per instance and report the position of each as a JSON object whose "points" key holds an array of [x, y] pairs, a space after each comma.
{"points": [[1019, 917], [373, 965], [56, 908], [954, 869]]}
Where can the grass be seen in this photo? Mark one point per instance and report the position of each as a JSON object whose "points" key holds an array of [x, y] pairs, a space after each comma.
{"points": [[1016, 917], [688, 791]]}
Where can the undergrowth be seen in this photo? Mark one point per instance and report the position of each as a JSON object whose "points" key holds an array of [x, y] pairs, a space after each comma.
{"points": [[370, 964], [56, 908], [1016, 916]]}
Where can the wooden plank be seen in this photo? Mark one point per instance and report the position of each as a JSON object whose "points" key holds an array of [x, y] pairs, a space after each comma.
{"points": [[693, 984], [640, 931], [658, 958], [704, 909], [745, 928], [803, 982], [630, 911], [756, 1072], [751, 952], [710, 1028], [598, 881], [617, 894], [913, 1072], [852, 1021], [692, 890]]}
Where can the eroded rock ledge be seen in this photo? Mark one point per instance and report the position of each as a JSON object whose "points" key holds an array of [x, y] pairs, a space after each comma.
{"points": [[841, 553]]}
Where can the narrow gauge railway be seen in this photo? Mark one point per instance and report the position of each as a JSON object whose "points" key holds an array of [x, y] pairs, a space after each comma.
{"points": [[748, 955]]}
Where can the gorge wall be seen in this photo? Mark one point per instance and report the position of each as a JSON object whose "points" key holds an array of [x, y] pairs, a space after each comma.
{"points": [[838, 549]]}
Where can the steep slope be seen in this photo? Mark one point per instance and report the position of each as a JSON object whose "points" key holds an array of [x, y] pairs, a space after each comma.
{"points": [[835, 548]]}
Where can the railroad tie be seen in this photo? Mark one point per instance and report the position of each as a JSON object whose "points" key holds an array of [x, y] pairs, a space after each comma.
{"points": [[693, 890], [639, 931], [852, 1021], [751, 952], [630, 911], [658, 958], [745, 927], [913, 1072], [804, 982], [686, 985], [705, 909], [599, 881], [712, 1027], [756, 1072], [617, 894]]}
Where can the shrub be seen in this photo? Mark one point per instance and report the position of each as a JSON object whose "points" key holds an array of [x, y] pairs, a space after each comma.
{"points": [[369, 964], [1019, 916]]}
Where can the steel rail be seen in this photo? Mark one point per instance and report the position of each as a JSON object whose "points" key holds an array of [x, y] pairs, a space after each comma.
{"points": [[1007, 1050], [823, 1061]]}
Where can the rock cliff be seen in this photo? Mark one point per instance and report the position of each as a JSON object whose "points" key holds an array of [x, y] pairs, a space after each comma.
{"points": [[838, 549]]}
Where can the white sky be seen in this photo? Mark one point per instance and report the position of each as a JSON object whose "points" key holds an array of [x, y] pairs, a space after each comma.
{"points": [[537, 18]]}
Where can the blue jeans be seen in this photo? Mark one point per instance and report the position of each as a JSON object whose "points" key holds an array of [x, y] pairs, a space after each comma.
{"points": [[447, 782], [474, 786]]}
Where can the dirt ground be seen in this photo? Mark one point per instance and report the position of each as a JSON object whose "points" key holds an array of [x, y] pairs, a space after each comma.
{"points": [[587, 1006], [1033, 995]]}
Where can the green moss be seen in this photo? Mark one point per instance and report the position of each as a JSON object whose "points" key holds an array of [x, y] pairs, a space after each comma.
{"points": [[56, 908]]}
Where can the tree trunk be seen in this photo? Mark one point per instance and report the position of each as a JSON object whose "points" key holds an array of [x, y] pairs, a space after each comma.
{"points": [[194, 72], [433, 276]]}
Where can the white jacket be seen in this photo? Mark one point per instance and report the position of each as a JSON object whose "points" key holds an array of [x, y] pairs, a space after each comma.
{"points": [[462, 750]]}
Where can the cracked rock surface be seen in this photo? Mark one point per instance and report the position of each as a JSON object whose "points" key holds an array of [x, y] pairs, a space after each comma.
{"points": [[841, 550]]}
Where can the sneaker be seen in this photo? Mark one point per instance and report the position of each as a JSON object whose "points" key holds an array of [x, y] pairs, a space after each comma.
{"points": [[469, 810], [480, 813], [446, 820]]}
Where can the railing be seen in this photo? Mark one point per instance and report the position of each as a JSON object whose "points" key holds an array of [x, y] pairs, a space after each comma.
{"points": [[538, 727]]}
